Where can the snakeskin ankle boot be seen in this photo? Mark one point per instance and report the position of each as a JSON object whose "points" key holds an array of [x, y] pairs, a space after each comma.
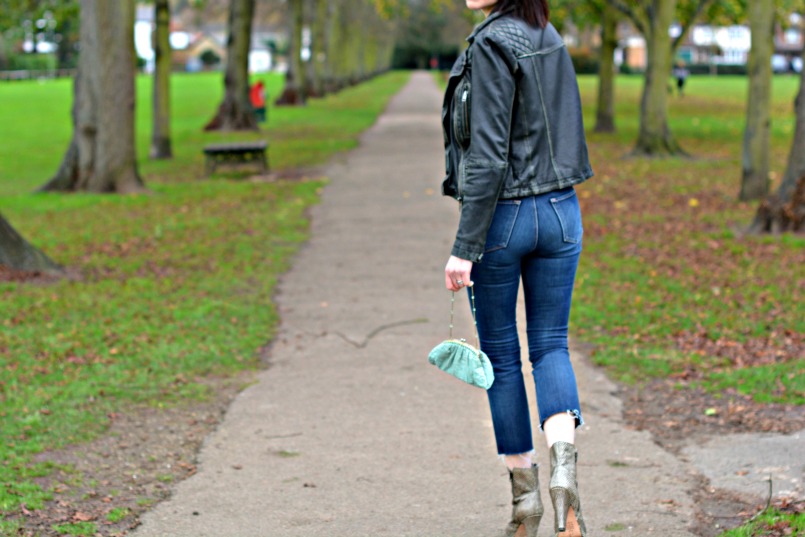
{"points": [[526, 501], [565, 492]]}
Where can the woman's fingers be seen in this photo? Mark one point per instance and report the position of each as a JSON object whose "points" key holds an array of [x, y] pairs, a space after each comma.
{"points": [[454, 283], [457, 273]]}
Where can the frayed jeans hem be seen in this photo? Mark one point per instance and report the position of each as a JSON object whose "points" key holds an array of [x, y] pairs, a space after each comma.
{"points": [[575, 412]]}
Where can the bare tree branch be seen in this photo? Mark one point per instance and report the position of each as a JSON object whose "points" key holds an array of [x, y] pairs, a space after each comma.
{"points": [[651, 14], [631, 11], [687, 25]]}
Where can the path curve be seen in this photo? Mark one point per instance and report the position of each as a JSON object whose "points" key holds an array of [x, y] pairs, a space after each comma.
{"points": [[350, 432]]}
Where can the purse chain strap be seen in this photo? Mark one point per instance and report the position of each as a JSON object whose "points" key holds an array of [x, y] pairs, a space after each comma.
{"points": [[474, 320]]}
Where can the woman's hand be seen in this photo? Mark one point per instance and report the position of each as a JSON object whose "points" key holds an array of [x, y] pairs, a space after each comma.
{"points": [[457, 273]]}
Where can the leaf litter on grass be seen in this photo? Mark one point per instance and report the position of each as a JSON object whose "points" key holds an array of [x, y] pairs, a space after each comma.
{"points": [[704, 326], [676, 275]]}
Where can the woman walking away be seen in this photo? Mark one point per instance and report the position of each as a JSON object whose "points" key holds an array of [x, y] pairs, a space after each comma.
{"points": [[515, 148]]}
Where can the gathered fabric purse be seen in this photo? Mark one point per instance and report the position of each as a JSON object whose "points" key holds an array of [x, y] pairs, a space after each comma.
{"points": [[459, 358]]}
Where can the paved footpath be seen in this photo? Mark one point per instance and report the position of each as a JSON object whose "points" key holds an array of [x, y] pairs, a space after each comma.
{"points": [[350, 432]]}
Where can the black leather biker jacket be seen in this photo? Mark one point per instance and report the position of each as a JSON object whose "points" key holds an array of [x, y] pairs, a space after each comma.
{"points": [[512, 124]]}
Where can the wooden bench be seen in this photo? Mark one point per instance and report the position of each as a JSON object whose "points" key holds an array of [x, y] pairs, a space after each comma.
{"points": [[235, 153]]}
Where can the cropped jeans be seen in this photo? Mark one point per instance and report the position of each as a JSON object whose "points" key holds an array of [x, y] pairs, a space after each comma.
{"points": [[536, 239]]}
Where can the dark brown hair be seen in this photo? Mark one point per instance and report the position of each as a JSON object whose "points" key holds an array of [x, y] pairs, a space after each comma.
{"points": [[534, 12]]}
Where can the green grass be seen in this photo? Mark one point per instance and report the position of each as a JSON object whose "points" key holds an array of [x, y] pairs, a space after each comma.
{"points": [[711, 112], [117, 514], [176, 286], [38, 116], [771, 523], [79, 529], [667, 283], [10, 527]]}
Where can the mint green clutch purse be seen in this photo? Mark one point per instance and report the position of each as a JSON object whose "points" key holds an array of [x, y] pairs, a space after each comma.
{"points": [[462, 360]]}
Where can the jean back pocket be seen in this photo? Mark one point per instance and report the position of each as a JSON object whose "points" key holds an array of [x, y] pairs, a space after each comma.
{"points": [[566, 207], [500, 231]]}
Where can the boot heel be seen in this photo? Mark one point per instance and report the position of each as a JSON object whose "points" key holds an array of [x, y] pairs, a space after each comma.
{"points": [[564, 488], [573, 529], [561, 505], [531, 525]]}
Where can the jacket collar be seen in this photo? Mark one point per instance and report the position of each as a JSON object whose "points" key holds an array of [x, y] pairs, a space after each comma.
{"points": [[494, 16]]}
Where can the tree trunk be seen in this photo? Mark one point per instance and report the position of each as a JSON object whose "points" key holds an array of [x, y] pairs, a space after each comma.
{"points": [[755, 166], [778, 215], [160, 137], [319, 58], [17, 254], [336, 42], [3, 56], [331, 47], [310, 65], [236, 112], [358, 45], [796, 157], [293, 94], [655, 138], [101, 156], [352, 56], [605, 115], [781, 211]]}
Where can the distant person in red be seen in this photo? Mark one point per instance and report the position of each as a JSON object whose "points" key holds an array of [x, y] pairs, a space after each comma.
{"points": [[257, 95]]}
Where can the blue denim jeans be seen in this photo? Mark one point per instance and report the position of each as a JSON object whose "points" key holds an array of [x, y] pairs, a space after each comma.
{"points": [[539, 240]]}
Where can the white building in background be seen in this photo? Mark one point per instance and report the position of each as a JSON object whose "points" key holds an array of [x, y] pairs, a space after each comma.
{"points": [[143, 30], [717, 44], [260, 59], [188, 46]]}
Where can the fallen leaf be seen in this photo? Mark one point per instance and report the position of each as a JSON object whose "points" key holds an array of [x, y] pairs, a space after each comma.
{"points": [[83, 517]]}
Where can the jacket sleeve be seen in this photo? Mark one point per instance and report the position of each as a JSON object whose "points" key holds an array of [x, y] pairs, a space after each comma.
{"points": [[486, 160]]}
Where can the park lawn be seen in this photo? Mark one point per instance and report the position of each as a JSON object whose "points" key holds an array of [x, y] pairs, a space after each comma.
{"points": [[669, 286], [176, 286], [36, 129]]}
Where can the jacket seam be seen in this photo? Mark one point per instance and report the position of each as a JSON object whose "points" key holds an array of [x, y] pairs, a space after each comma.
{"points": [[462, 174], [483, 164], [547, 121], [524, 111], [526, 191], [545, 52]]}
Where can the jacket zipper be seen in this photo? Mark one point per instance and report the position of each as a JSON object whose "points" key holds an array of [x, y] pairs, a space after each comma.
{"points": [[464, 129], [465, 108], [461, 128], [460, 176]]}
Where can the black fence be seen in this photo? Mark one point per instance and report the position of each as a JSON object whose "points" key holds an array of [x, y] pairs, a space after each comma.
{"points": [[31, 74]]}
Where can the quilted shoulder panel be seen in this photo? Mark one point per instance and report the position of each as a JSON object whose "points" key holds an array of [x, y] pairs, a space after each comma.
{"points": [[512, 34]]}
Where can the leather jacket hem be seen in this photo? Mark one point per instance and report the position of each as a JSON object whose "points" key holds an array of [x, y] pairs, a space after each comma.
{"points": [[467, 253]]}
